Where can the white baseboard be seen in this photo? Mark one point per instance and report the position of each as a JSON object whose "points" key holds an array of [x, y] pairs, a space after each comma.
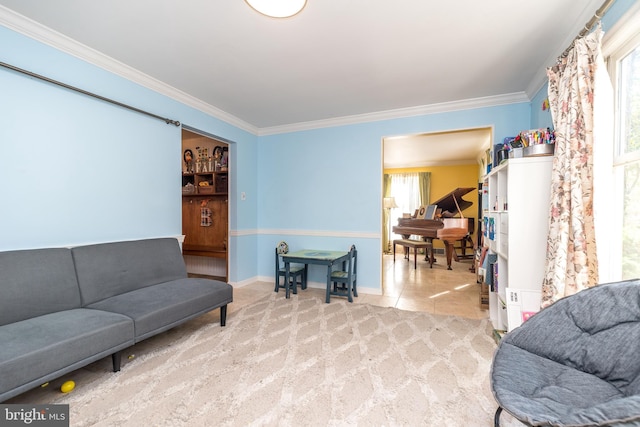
{"points": [[310, 284]]}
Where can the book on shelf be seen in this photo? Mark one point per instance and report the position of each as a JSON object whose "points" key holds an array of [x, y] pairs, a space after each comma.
{"points": [[495, 277]]}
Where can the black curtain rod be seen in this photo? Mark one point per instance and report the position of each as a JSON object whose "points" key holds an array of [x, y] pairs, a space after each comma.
{"points": [[84, 92], [594, 20]]}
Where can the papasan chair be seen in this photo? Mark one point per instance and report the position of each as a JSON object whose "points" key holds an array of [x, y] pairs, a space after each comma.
{"points": [[575, 363]]}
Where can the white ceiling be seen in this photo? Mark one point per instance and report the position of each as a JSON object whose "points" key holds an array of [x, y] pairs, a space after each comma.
{"points": [[440, 148], [336, 59]]}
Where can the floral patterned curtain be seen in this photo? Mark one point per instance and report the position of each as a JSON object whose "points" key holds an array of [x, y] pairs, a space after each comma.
{"points": [[572, 263]]}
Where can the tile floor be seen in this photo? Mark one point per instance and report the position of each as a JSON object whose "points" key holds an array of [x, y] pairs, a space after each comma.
{"points": [[432, 290]]}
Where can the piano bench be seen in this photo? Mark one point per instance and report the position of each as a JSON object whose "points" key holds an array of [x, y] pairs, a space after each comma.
{"points": [[415, 244]]}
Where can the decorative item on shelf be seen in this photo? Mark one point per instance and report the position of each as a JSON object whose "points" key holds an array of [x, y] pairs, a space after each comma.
{"points": [[189, 189], [529, 143], [205, 188], [513, 147], [224, 162], [500, 152], [188, 160], [217, 157], [203, 159], [537, 142], [539, 150]]}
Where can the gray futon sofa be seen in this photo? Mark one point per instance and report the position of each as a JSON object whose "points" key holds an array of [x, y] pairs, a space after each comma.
{"points": [[63, 308]]}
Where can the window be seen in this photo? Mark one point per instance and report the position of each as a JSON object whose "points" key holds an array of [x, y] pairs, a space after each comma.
{"points": [[624, 68], [405, 188]]}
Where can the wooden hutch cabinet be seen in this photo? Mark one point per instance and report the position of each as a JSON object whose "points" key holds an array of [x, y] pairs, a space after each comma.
{"points": [[205, 213]]}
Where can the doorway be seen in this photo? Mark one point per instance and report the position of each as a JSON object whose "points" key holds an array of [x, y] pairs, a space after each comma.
{"points": [[205, 204], [453, 159]]}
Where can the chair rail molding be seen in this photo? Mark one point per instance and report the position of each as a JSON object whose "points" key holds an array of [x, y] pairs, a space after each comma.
{"points": [[321, 233]]}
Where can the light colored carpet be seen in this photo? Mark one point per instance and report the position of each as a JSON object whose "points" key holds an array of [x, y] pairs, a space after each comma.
{"points": [[301, 362]]}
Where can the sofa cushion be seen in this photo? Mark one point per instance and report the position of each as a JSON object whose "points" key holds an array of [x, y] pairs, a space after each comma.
{"points": [[37, 350], [158, 308], [36, 282], [108, 269]]}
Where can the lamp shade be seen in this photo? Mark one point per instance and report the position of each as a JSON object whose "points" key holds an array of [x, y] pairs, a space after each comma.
{"points": [[277, 8], [389, 203]]}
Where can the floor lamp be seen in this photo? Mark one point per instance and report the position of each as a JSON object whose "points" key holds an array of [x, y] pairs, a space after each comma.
{"points": [[389, 203]]}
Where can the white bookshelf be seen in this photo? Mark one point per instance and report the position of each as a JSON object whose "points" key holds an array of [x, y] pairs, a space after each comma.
{"points": [[517, 202]]}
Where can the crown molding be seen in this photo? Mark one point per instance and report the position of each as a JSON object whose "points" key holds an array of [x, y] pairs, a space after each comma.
{"points": [[43, 34], [443, 107], [409, 165]]}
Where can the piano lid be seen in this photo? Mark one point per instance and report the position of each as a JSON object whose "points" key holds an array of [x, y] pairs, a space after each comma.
{"points": [[448, 205]]}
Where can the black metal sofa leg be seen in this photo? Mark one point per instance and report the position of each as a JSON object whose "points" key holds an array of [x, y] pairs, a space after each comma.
{"points": [[496, 417], [115, 358], [223, 315]]}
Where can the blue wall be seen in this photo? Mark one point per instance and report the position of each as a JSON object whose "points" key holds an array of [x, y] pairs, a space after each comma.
{"points": [[74, 170], [540, 118], [323, 188]]}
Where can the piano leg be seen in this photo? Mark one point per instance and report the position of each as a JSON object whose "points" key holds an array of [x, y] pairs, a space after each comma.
{"points": [[406, 248], [426, 256], [450, 253]]}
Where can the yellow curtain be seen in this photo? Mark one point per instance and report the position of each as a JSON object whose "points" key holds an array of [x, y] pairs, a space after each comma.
{"points": [[386, 192], [424, 182], [420, 187]]}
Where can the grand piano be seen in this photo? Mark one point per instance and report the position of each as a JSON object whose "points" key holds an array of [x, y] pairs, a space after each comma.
{"points": [[450, 228]]}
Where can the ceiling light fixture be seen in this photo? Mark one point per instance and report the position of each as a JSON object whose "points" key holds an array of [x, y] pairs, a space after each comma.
{"points": [[277, 8]]}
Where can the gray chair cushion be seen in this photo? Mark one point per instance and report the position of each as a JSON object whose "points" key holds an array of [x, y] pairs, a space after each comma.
{"points": [[576, 362], [109, 269], [36, 282], [158, 308], [58, 343]]}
